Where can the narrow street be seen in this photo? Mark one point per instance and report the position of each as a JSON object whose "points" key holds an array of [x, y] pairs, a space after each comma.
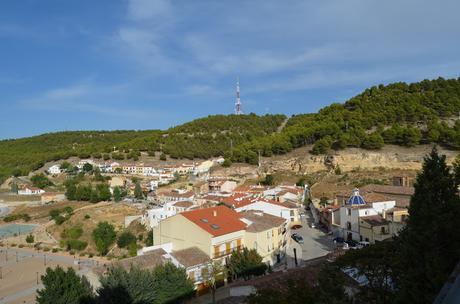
{"points": [[316, 243]]}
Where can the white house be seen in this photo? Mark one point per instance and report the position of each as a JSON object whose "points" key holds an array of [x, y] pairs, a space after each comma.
{"points": [[288, 211], [55, 169], [356, 208], [31, 191]]}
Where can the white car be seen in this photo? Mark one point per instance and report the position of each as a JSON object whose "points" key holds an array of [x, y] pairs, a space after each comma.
{"points": [[312, 225]]}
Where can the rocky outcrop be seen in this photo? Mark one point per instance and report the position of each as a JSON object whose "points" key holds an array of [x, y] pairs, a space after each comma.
{"points": [[390, 157]]}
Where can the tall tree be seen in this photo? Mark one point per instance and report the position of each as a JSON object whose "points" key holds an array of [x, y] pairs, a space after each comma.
{"points": [[104, 235], [64, 287], [120, 286], [138, 191], [212, 274], [430, 243], [117, 194], [171, 284]]}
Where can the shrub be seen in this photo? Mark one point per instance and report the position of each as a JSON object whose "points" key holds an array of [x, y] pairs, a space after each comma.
{"points": [[125, 239], [87, 216], [54, 250], [71, 252], [132, 249], [30, 239], [68, 210], [77, 244], [13, 245], [59, 220], [54, 213], [21, 245], [46, 249], [74, 232]]}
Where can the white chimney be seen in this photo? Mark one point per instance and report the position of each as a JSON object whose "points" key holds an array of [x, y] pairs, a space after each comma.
{"points": [[214, 213]]}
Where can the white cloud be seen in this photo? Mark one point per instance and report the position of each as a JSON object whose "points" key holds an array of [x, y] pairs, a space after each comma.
{"points": [[85, 97]]}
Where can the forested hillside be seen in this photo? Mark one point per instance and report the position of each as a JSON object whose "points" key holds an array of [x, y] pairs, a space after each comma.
{"points": [[399, 113], [201, 138]]}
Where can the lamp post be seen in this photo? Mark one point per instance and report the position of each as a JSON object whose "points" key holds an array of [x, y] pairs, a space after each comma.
{"points": [[37, 277]]}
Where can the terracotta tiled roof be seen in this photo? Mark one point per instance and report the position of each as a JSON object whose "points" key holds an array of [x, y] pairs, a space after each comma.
{"points": [[217, 221], [184, 204], [149, 260], [374, 220], [261, 221], [191, 256]]}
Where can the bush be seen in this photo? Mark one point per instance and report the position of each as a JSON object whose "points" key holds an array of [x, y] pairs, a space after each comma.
{"points": [[76, 244], [15, 217], [125, 239], [132, 249], [46, 249], [54, 213], [87, 216], [54, 250], [71, 252], [21, 245], [13, 245], [68, 210], [59, 220], [74, 232], [30, 239]]}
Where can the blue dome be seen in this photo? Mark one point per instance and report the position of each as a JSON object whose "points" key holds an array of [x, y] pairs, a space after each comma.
{"points": [[356, 199]]}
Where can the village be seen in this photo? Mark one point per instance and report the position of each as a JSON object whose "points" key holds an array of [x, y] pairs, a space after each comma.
{"points": [[191, 215]]}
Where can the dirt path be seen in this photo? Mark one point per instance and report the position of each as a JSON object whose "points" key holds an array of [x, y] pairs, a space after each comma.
{"points": [[282, 125]]}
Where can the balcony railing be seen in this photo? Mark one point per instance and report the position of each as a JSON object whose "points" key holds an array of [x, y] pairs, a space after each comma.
{"points": [[223, 253]]}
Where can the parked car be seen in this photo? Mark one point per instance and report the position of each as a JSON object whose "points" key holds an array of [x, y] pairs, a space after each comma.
{"points": [[363, 244], [295, 227], [312, 225], [338, 240], [298, 238], [352, 244]]}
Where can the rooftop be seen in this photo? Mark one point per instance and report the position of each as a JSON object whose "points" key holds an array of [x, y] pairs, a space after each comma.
{"points": [[374, 220], [261, 221], [190, 257], [149, 260], [217, 220]]}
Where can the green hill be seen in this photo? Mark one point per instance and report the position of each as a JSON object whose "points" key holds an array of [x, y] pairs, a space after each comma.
{"points": [[399, 113], [201, 138]]}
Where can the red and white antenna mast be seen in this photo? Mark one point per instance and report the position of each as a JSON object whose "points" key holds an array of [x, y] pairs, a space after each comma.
{"points": [[238, 110]]}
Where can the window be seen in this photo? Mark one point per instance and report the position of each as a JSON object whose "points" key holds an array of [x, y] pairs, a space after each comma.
{"points": [[348, 225], [349, 212], [273, 233], [292, 212], [292, 219]]}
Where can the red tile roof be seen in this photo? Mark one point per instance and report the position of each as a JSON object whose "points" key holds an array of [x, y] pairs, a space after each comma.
{"points": [[217, 221]]}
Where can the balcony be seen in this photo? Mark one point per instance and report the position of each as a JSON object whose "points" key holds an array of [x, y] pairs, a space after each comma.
{"points": [[224, 253]]}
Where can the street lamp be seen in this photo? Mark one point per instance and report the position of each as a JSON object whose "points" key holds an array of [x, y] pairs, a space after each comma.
{"points": [[37, 277]]}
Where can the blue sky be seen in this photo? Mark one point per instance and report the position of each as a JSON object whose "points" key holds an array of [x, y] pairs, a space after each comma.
{"points": [[147, 64]]}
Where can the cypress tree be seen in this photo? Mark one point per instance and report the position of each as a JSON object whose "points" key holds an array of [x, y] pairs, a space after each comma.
{"points": [[430, 244]]}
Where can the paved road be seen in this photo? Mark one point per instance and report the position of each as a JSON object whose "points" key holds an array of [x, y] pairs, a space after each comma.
{"points": [[15, 255], [316, 243]]}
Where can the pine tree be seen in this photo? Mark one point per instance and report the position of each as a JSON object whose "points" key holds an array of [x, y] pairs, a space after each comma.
{"points": [[64, 287], [430, 243], [117, 194]]}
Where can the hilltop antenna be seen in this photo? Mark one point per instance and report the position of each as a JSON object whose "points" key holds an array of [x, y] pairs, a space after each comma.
{"points": [[238, 110]]}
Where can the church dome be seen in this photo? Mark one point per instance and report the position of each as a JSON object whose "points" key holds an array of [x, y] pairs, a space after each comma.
{"points": [[355, 198]]}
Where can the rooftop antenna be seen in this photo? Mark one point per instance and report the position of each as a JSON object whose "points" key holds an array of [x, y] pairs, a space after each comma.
{"points": [[238, 110]]}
